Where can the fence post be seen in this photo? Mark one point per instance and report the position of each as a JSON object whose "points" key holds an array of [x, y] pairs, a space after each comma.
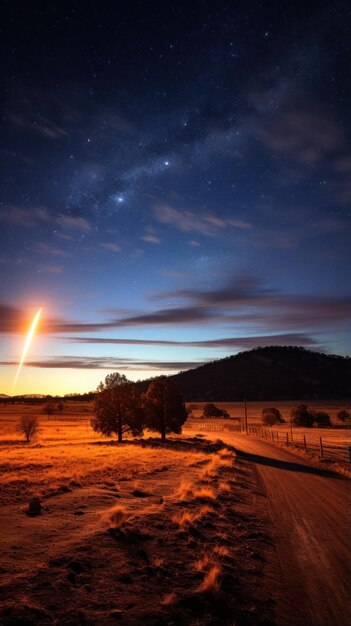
{"points": [[287, 439], [292, 441], [304, 443], [321, 446], [350, 454], [277, 437]]}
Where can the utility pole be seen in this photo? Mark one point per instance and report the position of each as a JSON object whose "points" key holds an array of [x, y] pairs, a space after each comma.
{"points": [[245, 409]]}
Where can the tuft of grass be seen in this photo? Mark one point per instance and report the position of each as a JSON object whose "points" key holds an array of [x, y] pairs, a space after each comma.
{"points": [[185, 491], [116, 517], [221, 550], [224, 487], [170, 598], [211, 580], [188, 518], [205, 493], [225, 453], [202, 563]]}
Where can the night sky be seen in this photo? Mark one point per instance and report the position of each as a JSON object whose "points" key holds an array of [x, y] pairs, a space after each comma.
{"points": [[175, 187]]}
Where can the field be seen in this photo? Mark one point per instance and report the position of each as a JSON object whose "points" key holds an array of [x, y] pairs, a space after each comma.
{"points": [[335, 441], [142, 533]]}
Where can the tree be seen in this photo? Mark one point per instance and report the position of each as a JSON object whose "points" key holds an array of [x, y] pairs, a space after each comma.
{"points": [[49, 408], [211, 410], [302, 416], [28, 426], [164, 407], [343, 415], [117, 407], [271, 416], [322, 419]]}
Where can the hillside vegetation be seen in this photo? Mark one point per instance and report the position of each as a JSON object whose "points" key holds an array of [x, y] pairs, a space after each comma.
{"points": [[272, 373]]}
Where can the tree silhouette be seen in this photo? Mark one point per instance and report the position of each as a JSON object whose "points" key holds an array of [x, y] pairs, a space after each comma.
{"points": [[271, 415], [117, 407], [211, 410], [164, 407], [302, 416], [322, 419], [343, 415]]}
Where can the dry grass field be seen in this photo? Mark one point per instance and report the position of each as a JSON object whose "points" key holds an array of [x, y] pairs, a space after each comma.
{"points": [[141, 532]]}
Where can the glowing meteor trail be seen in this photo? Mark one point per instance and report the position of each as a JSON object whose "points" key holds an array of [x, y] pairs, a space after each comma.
{"points": [[26, 346]]}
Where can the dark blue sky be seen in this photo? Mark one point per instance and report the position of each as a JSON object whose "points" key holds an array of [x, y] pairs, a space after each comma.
{"points": [[177, 173]]}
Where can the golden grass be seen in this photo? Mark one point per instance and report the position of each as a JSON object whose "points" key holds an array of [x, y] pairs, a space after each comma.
{"points": [[28, 469], [211, 580], [186, 518], [221, 550], [116, 517], [224, 487], [187, 491], [170, 598], [202, 563]]}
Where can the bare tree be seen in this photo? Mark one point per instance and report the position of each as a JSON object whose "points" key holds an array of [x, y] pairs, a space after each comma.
{"points": [[28, 426]]}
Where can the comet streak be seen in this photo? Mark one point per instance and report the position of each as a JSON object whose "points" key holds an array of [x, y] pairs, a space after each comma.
{"points": [[26, 346]]}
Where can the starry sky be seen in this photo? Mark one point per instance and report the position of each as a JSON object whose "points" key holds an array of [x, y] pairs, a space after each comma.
{"points": [[176, 185]]}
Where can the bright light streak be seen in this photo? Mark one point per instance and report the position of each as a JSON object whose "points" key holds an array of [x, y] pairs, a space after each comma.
{"points": [[26, 346]]}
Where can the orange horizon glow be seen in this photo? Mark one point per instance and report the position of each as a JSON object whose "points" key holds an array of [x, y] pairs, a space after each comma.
{"points": [[27, 345]]}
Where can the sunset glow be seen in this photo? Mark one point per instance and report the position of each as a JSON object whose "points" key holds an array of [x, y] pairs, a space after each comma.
{"points": [[26, 346]]}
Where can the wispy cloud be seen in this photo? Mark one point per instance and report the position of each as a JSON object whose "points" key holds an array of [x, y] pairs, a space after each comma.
{"points": [[44, 248], [28, 218], [208, 224], [150, 238], [110, 246], [73, 222], [307, 136], [32, 217], [106, 363], [292, 339], [245, 303]]}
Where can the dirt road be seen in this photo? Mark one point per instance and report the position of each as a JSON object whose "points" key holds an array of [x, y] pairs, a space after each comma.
{"points": [[310, 511]]}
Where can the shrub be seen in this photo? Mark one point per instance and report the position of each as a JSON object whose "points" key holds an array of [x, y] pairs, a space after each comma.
{"points": [[211, 410], [271, 416], [302, 416], [322, 419], [343, 415], [28, 426]]}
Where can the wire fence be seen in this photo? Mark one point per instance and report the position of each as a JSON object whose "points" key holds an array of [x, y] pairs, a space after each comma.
{"points": [[325, 447]]}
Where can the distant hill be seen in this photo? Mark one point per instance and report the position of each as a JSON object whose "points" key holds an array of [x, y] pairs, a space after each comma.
{"points": [[3, 395], [271, 373]]}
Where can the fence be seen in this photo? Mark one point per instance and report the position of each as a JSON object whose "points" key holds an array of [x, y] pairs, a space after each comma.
{"points": [[311, 441]]}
